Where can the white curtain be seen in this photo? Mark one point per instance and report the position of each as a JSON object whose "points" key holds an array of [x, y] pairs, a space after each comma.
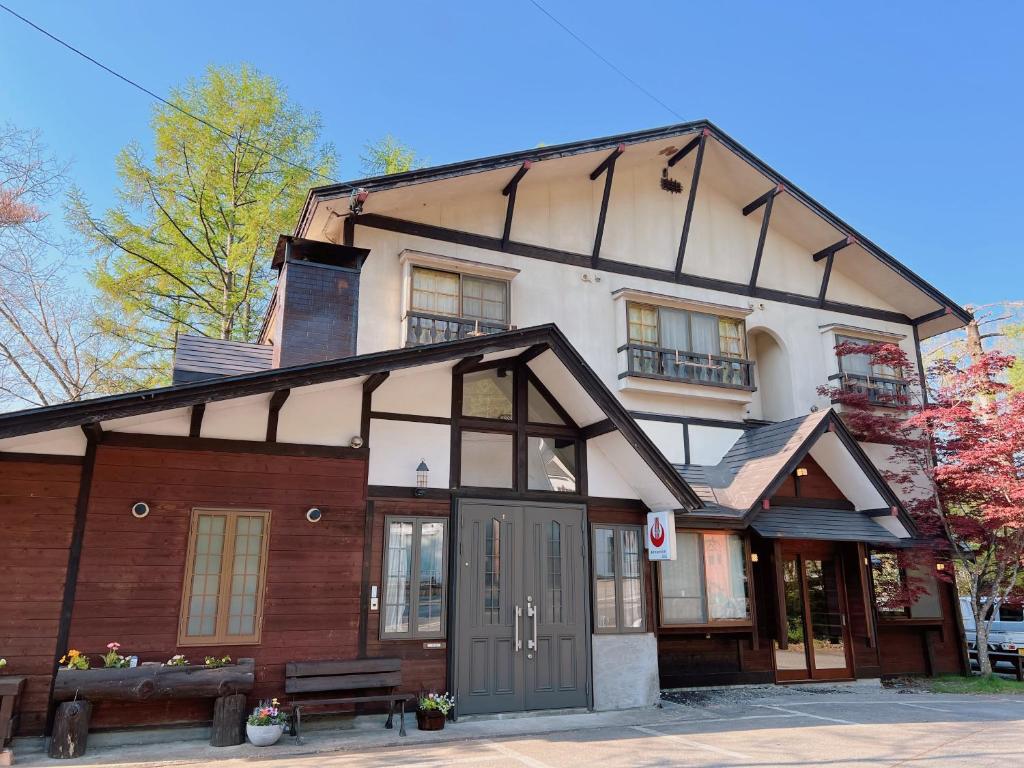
{"points": [[675, 334]]}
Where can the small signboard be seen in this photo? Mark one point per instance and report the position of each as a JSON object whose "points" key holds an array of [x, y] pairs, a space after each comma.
{"points": [[660, 535]]}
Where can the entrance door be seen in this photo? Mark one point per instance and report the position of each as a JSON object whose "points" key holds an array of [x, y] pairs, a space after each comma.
{"points": [[521, 623], [817, 644]]}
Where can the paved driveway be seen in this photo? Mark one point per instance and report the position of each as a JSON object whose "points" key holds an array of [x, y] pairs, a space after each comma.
{"points": [[810, 727]]}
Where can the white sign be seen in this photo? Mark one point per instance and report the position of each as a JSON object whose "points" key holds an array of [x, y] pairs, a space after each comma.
{"points": [[660, 535]]}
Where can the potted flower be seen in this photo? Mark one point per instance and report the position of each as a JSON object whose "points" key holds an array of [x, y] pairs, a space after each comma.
{"points": [[266, 724], [433, 710]]}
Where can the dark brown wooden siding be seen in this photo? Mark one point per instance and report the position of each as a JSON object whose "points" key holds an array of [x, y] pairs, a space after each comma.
{"points": [[131, 576], [815, 485], [37, 511]]}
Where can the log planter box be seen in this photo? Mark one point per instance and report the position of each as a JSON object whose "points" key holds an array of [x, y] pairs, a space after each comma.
{"points": [[151, 682]]}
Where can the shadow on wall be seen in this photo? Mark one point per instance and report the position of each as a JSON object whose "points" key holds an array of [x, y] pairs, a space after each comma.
{"points": [[773, 400]]}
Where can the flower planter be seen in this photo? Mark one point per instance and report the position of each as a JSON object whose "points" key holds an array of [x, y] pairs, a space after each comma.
{"points": [[154, 681], [263, 735], [430, 720]]}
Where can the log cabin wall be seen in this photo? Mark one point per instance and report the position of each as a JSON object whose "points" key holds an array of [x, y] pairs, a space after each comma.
{"points": [[37, 512], [923, 647], [423, 669], [132, 570]]}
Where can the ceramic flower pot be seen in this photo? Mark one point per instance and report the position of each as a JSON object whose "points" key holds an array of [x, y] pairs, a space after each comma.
{"points": [[429, 720], [263, 735]]}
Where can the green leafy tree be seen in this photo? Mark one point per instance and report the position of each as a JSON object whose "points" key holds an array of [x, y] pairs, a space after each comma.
{"points": [[188, 247], [389, 155]]}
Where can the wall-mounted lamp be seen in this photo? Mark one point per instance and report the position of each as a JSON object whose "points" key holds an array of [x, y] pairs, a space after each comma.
{"points": [[314, 514], [140, 509], [356, 442], [801, 471], [940, 566], [422, 478], [753, 557]]}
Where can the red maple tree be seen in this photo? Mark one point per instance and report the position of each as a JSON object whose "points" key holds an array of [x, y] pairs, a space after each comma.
{"points": [[957, 461]]}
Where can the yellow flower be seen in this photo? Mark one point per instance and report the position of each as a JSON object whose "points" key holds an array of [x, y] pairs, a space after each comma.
{"points": [[63, 659], [274, 702], [74, 654]]}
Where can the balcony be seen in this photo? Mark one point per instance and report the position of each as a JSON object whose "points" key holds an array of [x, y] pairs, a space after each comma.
{"points": [[687, 367], [882, 391], [422, 328]]}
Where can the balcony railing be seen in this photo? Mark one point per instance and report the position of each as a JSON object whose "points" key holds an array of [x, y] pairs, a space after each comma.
{"points": [[422, 328], [880, 390], [688, 367]]}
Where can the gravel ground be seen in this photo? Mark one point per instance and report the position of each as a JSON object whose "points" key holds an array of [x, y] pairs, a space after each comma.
{"points": [[741, 694]]}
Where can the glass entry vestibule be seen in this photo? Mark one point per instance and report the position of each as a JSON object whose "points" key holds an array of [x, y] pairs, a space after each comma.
{"points": [[816, 645]]}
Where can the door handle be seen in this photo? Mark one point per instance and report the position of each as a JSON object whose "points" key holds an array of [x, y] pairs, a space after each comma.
{"points": [[518, 642], [531, 611]]}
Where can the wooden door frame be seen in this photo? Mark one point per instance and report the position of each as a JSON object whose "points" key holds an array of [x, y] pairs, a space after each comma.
{"points": [[801, 551]]}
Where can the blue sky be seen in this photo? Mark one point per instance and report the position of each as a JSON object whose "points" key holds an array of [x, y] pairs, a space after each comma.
{"points": [[903, 118]]}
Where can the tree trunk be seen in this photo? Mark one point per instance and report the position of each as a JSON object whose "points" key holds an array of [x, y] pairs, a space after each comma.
{"points": [[70, 729], [974, 345], [984, 663], [154, 682], [228, 721]]}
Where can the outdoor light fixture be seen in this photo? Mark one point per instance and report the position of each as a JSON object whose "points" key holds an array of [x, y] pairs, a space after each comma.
{"points": [[314, 514], [940, 566], [753, 557], [801, 471], [422, 477], [356, 442], [140, 509]]}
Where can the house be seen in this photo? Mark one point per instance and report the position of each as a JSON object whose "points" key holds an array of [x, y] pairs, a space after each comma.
{"points": [[473, 384]]}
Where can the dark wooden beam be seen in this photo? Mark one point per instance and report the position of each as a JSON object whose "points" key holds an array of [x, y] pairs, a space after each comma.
{"points": [[941, 312], [93, 434], [691, 199], [364, 588], [42, 458], [348, 232], [466, 363], [826, 276], [195, 423], [597, 429], [684, 151], [762, 236], [837, 246], [608, 162], [276, 403], [752, 206], [510, 192], [218, 445], [410, 417], [528, 250], [607, 166], [370, 384], [532, 353]]}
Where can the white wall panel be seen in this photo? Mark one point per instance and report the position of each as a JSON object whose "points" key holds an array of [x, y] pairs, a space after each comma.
{"points": [[397, 447], [709, 444]]}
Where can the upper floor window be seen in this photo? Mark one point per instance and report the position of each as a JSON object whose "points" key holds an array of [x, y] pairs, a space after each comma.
{"points": [[682, 345], [883, 384], [449, 305], [707, 582]]}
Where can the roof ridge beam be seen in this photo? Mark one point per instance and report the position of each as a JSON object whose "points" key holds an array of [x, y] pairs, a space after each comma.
{"points": [[691, 198], [607, 167]]}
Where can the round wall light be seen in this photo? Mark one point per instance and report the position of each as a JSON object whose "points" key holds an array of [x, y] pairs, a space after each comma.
{"points": [[140, 509], [314, 514]]}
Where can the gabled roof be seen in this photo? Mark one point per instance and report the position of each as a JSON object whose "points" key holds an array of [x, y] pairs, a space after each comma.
{"points": [[762, 458], [543, 336], [933, 322]]}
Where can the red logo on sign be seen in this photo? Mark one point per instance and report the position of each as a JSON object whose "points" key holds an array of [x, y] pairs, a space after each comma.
{"points": [[657, 533]]}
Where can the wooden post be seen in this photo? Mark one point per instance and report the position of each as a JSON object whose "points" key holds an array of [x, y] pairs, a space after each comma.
{"points": [[70, 729], [228, 721]]}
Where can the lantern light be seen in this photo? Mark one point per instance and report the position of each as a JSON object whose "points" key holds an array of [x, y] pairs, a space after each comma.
{"points": [[801, 471], [422, 477]]}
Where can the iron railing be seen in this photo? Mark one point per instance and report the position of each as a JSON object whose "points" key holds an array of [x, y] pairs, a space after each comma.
{"points": [[689, 367], [423, 328], [880, 390]]}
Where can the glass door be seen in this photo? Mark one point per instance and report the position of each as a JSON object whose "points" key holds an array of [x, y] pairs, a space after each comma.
{"points": [[816, 646]]}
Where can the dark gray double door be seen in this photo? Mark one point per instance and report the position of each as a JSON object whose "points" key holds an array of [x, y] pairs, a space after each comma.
{"points": [[521, 613]]}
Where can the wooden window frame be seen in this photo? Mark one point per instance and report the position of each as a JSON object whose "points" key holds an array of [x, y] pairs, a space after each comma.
{"points": [[746, 623], [690, 312], [413, 633], [845, 338], [461, 315], [620, 628], [220, 636], [906, 616], [519, 428]]}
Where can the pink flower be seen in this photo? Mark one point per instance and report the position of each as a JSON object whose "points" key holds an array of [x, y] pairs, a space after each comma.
{"points": [[113, 646]]}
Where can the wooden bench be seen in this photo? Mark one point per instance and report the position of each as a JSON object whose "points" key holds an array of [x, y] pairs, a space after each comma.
{"points": [[319, 677]]}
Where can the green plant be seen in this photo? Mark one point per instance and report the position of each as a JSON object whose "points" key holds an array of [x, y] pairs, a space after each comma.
{"points": [[268, 713], [75, 660], [213, 662], [112, 659], [178, 660], [437, 702]]}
